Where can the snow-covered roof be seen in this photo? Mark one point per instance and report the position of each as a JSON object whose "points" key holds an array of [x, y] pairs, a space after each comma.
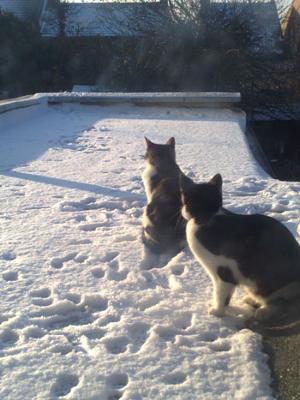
{"points": [[105, 19], [80, 318]]}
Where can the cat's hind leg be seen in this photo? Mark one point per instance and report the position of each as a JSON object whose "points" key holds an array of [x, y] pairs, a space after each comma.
{"points": [[277, 301]]}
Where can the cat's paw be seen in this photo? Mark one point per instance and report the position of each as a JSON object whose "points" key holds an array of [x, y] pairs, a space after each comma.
{"points": [[217, 312], [251, 301]]}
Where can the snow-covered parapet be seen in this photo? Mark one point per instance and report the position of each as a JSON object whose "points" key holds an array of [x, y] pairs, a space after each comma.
{"points": [[21, 102], [190, 99], [211, 99]]}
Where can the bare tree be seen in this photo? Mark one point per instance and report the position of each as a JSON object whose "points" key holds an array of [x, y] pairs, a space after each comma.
{"points": [[57, 16], [203, 45]]}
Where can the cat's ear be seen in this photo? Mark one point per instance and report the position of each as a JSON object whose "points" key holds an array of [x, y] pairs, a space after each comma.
{"points": [[171, 142], [148, 142], [185, 183], [217, 181]]}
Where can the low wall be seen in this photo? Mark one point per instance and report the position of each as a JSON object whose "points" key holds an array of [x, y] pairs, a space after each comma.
{"points": [[176, 99], [20, 102]]}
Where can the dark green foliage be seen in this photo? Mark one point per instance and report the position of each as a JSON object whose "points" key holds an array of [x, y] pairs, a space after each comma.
{"points": [[19, 53]]}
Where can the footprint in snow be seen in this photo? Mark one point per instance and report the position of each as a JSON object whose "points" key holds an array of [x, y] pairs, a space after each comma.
{"points": [[17, 193], [93, 333], [95, 302], [81, 241], [42, 292], [108, 319], [73, 297], [114, 274], [41, 297], [8, 256], [178, 269], [116, 384], [148, 302], [208, 337], [117, 276], [220, 345], [175, 378], [138, 335], [125, 238], [85, 204], [33, 332], [8, 337], [62, 349], [98, 272], [90, 203], [250, 185], [58, 262], [92, 227], [64, 383], [114, 395], [117, 380], [183, 321], [79, 218], [73, 310], [10, 276], [5, 317], [109, 256], [116, 345], [167, 333]]}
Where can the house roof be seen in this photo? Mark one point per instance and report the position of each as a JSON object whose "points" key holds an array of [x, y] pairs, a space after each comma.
{"points": [[105, 19], [23, 9], [130, 19]]}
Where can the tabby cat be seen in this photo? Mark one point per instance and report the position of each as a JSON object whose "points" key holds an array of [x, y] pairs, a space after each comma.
{"points": [[163, 226]]}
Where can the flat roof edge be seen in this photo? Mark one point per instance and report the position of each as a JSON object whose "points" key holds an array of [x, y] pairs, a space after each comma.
{"points": [[175, 99], [20, 102], [187, 99]]}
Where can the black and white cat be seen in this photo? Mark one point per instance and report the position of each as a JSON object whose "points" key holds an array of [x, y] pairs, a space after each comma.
{"points": [[163, 226], [254, 251]]}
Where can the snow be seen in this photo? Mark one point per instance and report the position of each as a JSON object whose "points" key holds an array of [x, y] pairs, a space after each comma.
{"points": [[79, 317]]}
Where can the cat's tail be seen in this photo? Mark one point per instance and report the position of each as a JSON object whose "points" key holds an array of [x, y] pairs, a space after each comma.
{"points": [[289, 292]]}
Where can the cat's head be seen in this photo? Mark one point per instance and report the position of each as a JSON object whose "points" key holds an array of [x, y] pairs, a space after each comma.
{"points": [[160, 153], [200, 200]]}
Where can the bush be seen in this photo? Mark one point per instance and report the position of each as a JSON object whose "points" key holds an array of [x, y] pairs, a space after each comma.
{"points": [[19, 44]]}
